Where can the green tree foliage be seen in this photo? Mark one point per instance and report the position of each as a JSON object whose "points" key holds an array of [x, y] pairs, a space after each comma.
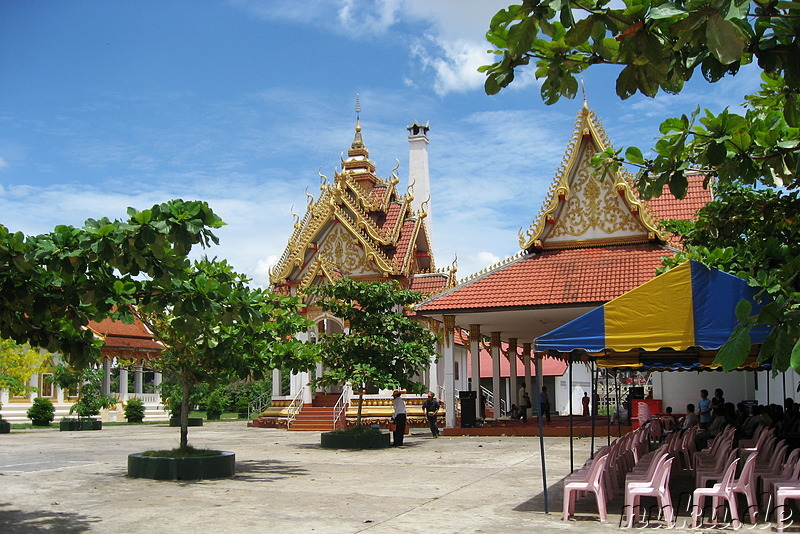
{"points": [[86, 382], [384, 348], [52, 284], [657, 46], [216, 328], [17, 364]]}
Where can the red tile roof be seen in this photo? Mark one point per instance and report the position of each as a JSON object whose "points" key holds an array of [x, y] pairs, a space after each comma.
{"points": [[404, 245], [392, 216], [119, 335], [559, 277], [428, 283], [377, 192], [668, 207]]}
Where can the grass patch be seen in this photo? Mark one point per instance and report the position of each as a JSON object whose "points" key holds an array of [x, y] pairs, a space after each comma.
{"points": [[226, 416], [188, 452]]}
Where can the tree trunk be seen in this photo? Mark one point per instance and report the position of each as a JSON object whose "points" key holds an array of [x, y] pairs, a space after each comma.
{"points": [[185, 414], [360, 406]]}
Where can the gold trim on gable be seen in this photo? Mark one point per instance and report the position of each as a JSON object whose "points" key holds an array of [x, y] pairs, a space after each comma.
{"points": [[588, 134]]}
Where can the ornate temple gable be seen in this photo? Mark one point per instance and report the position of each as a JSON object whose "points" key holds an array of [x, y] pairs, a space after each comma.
{"points": [[583, 209], [358, 227]]}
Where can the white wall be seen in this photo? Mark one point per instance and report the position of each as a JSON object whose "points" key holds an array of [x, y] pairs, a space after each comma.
{"points": [[581, 382], [678, 388]]}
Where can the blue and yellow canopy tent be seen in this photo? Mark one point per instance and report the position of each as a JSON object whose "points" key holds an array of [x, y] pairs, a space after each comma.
{"points": [[676, 321]]}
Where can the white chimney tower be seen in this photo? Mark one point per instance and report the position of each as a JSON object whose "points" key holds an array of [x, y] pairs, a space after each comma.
{"points": [[418, 173]]}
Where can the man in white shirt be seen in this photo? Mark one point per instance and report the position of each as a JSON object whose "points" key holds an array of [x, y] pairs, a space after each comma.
{"points": [[399, 418]]}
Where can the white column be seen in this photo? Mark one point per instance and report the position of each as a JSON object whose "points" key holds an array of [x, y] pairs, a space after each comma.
{"points": [[433, 375], [526, 362], [157, 378], [513, 387], [496, 392], [137, 380], [449, 372], [123, 384], [475, 354], [317, 374], [276, 383], [34, 383], [540, 375], [105, 383]]}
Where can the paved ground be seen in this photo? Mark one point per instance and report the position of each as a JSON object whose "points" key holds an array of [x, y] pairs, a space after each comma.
{"points": [[73, 482]]}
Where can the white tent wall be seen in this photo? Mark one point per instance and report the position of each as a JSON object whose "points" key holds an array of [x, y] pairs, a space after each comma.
{"points": [[581, 382], [679, 388]]}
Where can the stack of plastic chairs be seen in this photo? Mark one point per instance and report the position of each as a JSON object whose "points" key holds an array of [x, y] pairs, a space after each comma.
{"points": [[587, 480], [657, 485], [723, 490], [689, 446], [783, 473], [746, 485]]}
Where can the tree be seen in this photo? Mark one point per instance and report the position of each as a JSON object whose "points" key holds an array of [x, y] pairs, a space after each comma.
{"points": [[384, 348], [658, 45], [52, 285], [17, 364], [215, 329], [87, 382]]}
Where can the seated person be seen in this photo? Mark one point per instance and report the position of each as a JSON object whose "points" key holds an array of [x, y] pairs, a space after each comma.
{"points": [[690, 419]]}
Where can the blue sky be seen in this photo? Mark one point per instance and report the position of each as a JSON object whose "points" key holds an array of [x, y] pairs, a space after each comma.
{"points": [[105, 105]]}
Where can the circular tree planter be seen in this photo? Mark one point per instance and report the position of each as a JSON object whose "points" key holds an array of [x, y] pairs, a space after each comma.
{"points": [[80, 424], [185, 468], [5, 427], [353, 440], [193, 421]]}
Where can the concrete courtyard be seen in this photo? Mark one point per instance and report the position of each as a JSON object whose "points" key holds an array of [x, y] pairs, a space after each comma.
{"points": [[71, 482]]}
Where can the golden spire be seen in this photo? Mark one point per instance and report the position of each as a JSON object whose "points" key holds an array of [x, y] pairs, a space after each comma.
{"points": [[358, 142]]}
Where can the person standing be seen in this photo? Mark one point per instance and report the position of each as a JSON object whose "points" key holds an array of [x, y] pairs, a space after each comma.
{"points": [[545, 400], [704, 409], [585, 400], [399, 418], [525, 404], [431, 409]]}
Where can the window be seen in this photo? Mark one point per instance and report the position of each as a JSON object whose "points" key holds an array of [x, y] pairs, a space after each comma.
{"points": [[46, 385]]}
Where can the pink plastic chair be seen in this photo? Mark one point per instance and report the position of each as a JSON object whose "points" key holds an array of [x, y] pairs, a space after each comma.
{"points": [[593, 484], [713, 473], [720, 491], [689, 447], [783, 473], [772, 484], [787, 492], [745, 484], [658, 487]]}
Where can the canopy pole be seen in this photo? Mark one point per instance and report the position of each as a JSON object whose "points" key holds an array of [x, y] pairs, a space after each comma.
{"points": [[538, 361], [608, 416], [783, 401], [594, 388], [768, 395], [571, 447], [619, 412]]}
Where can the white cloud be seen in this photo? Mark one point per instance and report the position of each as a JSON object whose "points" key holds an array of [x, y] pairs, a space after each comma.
{"points": [[3, 163]]}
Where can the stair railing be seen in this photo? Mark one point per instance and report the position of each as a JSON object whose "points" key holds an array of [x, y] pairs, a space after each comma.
{"points": [[340, 409], [259, 405], [294, 408], [490, 401]]}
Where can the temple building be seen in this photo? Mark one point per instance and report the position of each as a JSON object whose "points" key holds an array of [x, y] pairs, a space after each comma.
{"points": [[125, 356], [593, 240], [363, 227]]}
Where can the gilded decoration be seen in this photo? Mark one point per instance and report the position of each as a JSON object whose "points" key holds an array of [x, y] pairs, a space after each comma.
{"points": [[578, 202], [344, 252], [593, 205]]}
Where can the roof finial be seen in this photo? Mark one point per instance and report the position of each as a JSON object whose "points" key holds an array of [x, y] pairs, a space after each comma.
{"points": [[358, 142], [583, 90], [358, 107]]}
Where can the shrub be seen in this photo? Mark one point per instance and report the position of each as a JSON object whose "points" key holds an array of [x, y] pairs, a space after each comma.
{"points": [[42, 412], [134, 410], [216, 402]]}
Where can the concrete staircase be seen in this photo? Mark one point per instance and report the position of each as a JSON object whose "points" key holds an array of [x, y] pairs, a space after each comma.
{"points": [[317, 416]]}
